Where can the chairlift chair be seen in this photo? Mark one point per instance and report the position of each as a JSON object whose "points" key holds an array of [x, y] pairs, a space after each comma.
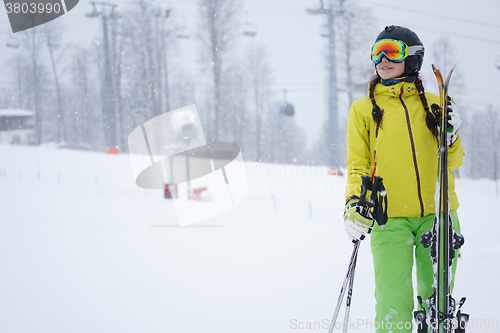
{"points": [[12, 41], [249, 29]]}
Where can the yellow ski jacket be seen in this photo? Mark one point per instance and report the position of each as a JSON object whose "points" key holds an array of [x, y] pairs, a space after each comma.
{"points": [[402, 150]]}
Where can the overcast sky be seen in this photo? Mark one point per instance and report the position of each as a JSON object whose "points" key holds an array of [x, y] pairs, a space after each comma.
{"points": [[296, 51]]}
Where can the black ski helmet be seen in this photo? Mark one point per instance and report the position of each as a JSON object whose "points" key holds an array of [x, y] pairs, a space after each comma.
{"points": [[415, 59]]}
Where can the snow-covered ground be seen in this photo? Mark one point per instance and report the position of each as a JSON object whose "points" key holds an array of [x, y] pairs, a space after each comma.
{"points": [[83, 249]]}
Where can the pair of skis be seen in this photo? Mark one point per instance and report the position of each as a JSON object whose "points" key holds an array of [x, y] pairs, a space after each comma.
{"points": [[444, 314]]}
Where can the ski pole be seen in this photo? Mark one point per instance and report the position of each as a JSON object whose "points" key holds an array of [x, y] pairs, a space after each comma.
{"points": [[350, 272], [377, 204], [366, 185], [349, 296]]}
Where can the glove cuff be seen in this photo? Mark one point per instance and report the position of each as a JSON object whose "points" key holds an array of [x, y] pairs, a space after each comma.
{"points": [[350, 198], [351, 204]]}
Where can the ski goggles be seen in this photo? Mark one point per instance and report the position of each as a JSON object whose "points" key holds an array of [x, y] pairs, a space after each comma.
{"points": [[394, 50]]}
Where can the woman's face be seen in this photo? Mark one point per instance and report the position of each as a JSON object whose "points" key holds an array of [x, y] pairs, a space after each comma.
{"points": [[388, 70]]}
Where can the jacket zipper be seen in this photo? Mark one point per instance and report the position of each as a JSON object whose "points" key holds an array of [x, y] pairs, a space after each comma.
{"points": [[414, 154], [374, 164]]}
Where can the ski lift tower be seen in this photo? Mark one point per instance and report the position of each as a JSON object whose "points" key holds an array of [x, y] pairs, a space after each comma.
{"points": [[177, 32], [333, 127], [108, 101]]}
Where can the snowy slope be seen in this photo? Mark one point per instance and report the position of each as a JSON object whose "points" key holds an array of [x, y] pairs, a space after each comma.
{"points": [[82, 249]]}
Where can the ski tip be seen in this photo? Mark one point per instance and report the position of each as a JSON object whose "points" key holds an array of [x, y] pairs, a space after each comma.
{"points": [[439, 78], [436, 71]]}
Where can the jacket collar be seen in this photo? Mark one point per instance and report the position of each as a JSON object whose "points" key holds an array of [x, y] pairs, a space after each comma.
{"points": [[405, 88], [393, 81]]}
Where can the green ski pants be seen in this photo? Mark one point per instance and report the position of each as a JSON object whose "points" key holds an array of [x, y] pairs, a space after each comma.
{"points": [[393, 252]]}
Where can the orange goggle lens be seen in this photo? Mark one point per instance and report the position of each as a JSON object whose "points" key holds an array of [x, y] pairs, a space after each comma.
{"points": [[394, 50]]}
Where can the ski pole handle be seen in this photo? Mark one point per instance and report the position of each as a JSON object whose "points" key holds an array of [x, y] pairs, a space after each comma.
{"points": [[366, 184], [379, 200], [375, 191]]}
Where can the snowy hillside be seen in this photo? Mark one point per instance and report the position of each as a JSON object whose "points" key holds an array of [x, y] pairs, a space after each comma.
{"points": [[82, 249]]}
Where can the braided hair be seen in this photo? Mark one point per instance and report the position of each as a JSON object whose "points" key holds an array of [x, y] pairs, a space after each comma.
{"points": [[430, 120], [376, 112]]}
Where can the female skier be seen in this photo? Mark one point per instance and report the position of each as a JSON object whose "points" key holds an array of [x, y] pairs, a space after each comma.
{"points": [[392, 133]]}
